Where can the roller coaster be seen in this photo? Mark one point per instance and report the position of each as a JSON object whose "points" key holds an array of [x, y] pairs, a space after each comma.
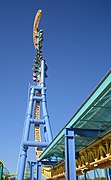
{"points": [[84, 144]]}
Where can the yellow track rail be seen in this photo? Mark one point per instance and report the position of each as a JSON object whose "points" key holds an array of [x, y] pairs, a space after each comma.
{"points": [[97, 155], [37, 104], [35, 27], [37, 128]]}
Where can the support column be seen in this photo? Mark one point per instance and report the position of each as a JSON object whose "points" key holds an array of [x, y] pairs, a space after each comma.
{"points": [[106, 173], [110, 173], [47, 127], [70, 154], [39, 170], [25, 137], [85, 177], [32, 170]]}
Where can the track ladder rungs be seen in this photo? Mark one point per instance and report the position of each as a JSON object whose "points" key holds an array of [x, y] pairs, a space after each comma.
{"points": [[37, 121], [37, 98]]}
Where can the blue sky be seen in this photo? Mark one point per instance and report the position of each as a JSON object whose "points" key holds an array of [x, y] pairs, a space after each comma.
{"points": [[77, 48]]}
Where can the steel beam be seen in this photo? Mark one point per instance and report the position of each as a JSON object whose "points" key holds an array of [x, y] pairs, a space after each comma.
{"points": [[87, 132], [70, 154], [32, 170], [110, 173], [37, 122], [36, 87], [35, 144], [51, 163], [21, 165], [85, 176], [47, 127], [39, 174], [37, 98], [106, 173], [25, 137]]}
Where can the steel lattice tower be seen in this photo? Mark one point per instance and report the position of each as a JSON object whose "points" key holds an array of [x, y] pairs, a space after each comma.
{"points": [[37, 113]]}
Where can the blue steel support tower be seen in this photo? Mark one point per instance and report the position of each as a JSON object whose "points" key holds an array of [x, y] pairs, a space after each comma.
{"points": [[37, 113]]}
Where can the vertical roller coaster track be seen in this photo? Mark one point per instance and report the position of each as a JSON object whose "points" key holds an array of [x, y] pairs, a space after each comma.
{"points": [[37, 113], [37, 39]]}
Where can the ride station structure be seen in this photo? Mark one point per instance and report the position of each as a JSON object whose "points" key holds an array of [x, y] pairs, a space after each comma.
{"points": [[83, 144]]}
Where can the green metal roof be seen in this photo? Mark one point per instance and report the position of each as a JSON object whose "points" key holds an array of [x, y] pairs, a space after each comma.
{"points": [[95, 113]]}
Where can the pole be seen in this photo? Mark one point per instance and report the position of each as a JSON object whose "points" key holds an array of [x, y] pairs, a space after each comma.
{"points": [[25, 137], [70, 154]]}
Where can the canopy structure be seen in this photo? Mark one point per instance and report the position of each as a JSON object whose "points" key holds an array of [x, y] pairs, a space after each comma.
{"points": [[94, 114]]}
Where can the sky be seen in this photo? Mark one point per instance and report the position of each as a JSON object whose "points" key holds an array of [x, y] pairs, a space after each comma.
{"points": [[76, 47]]}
